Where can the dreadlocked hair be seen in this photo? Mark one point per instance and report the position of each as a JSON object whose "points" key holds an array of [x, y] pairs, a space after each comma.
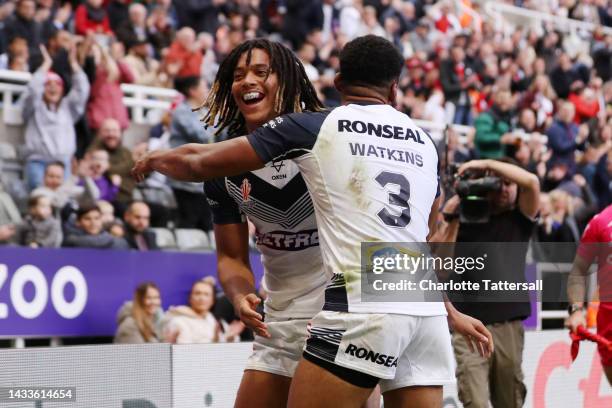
{"points": [[295, 92]]}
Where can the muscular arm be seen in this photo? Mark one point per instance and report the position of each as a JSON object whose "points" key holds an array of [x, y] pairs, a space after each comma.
{"points": [[233, 264], [194, 162], [236, 276]]}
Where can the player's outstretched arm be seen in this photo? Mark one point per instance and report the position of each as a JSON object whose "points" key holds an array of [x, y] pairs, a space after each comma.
{"points": [[477, 336], [200, 162], [236, 276]]}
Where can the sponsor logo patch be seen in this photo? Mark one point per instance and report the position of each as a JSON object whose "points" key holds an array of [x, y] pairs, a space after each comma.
{"points": [[369, 355]]}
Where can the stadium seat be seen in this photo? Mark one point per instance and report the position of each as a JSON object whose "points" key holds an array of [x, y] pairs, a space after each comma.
{"points": [[164, 238], [7, 151], [192, 240]]}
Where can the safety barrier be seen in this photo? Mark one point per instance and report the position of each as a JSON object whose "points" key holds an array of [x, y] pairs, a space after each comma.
{"points": [[208, 375]]}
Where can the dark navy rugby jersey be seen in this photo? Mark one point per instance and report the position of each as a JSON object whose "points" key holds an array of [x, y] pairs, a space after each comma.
{"points": [[275, 199]]}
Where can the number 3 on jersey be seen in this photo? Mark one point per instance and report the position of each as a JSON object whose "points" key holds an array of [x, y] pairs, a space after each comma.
{"points": [[384, 179]]}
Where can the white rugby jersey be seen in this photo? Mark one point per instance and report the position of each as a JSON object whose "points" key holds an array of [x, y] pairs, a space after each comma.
{"points": [[277, 202], [372, 175]]}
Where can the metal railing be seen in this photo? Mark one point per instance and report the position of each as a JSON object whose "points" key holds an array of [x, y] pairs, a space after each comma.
{"points": [[138, 98], [507, 16]]}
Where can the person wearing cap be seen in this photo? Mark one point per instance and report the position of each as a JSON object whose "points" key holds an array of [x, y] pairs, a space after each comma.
{"points": [[49, 117]]}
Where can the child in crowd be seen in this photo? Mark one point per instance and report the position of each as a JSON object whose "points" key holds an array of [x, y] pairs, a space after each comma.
{"points": [[110, 223], [104, 185], [40, 228]]}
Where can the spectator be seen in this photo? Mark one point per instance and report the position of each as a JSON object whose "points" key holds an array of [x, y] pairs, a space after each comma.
{"points": [[135, 29], [9, 217], [109, 222], [421, 39], [88, 231], [493, 127], [106, 184], [556, 223], [118, 14], [106, 99], [585, 103], [161, 31], [184, 57], [200, 15], [49, 117], [62, 190], [457, 78], [603, 180], [186, 127], [121, 162], [565, 137], [540, 97], [40, 229], [23, 25], [59, 45], [144, 68], [139, 319], [138, 235], [91, 18], [300, 19], [307, 55], [196, 323], [370, 24], [564, 76], [17, 55]]}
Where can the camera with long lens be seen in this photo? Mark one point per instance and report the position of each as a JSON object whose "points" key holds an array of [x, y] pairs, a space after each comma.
{"points": [[473, 187]]}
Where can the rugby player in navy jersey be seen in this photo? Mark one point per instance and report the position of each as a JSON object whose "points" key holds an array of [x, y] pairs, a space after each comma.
{"points": [[367, 145]]}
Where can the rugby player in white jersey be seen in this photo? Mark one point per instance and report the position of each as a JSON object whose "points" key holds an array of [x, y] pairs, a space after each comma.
{"points": [[372, 174]]}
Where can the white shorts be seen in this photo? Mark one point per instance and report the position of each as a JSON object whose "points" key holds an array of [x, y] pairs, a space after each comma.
{"points": [[281, 353], [401, 350]]}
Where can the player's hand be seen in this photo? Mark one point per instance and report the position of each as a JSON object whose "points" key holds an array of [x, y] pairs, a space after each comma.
{"points": [[575, 320], [246, 308], [477, 336], [143, 167]]}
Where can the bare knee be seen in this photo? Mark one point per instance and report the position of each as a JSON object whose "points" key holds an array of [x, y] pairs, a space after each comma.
{"points": [[414, 397]]}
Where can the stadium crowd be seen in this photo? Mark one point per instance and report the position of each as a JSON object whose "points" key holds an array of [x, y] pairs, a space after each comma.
{"points": [[539, 96]]}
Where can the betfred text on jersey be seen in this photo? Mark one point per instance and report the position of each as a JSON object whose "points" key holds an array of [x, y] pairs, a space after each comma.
{"points": [[365, 354], [378, 130], [289, 241]]}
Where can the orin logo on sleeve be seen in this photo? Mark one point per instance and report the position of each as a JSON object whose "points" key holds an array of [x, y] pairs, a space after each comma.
{"points": [[365, 354]]}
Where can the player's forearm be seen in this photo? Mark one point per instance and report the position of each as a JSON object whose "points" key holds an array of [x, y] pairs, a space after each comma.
{"points": [[576, 282], [236, 279], [194, 162], [178, 163]]}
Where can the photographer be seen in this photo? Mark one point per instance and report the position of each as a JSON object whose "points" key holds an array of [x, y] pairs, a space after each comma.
{"points": [[513, 208]]}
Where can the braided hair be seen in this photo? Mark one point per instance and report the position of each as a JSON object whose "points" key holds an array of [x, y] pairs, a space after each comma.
{"points": [[295, 92]]}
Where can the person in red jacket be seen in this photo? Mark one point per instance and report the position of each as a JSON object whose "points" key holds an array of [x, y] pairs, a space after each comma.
{"points": [[90, 17], [585, 102], [184, 57]]}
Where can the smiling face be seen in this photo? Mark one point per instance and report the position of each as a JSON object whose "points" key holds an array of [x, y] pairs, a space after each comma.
{"points": [[151, 301], [254, 88]]}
